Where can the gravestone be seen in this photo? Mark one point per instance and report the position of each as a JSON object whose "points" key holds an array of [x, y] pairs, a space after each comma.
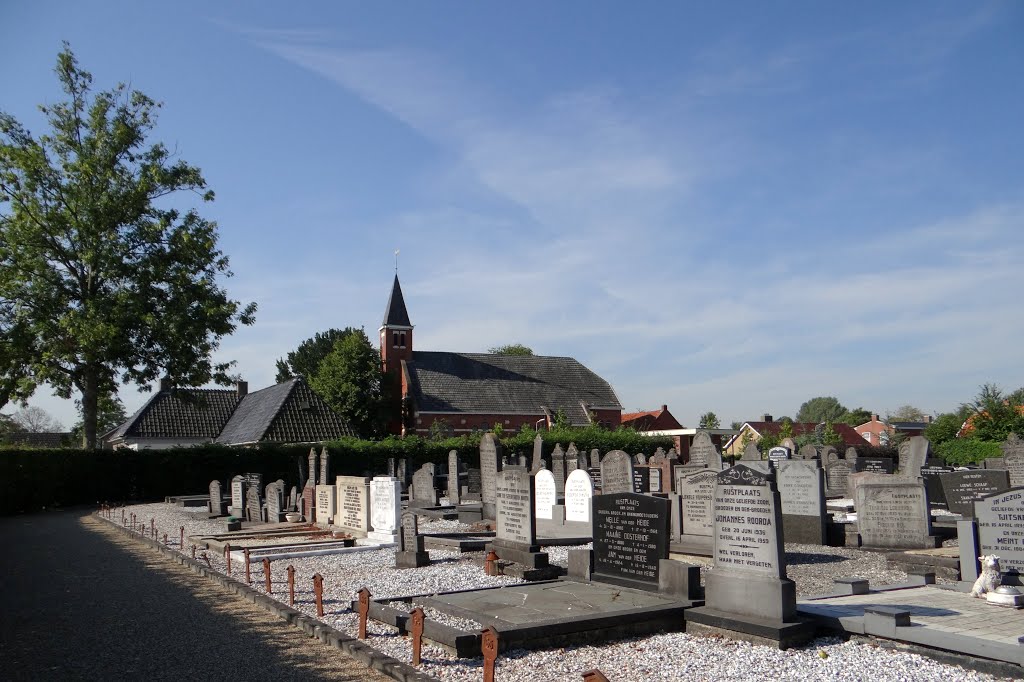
{"points": [[641, 479], [994, 463], [253, 504], [751, 453], [703, 452], [293, 499], [932, 477], [453, 477], [790, 445], [325, 467], [696, 490], [1000, 519], [851, 456], [893, 515], [392, 470], [558, 469], [490, 455], [837, 478], [353, 504], [802, 492], [516, 529], [808, 452], [748, 578], [639, 459], [521, 461], [875, 465], [595, 459], [274, 493], [254, 479], [546, 496], [217, 500], [962, 488], [538, 454], [238, 497], [778, 454], [311, 460], [579, 491], [403, 472], [572, 459], [663, 465], [423, 492], [829, 455], [1013, 457], [410, 552], [630, 538], [616, 473], [326, 499], [654, 474], [582, 462], [474, 483], [917, 452], [385, 508]]}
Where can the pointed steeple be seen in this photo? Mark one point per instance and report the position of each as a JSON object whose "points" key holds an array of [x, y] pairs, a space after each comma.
{"points": [[396, 315]]}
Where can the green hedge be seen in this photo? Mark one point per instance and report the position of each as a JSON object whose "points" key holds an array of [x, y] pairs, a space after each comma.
{"points": [[35, 479], [962, 451]]}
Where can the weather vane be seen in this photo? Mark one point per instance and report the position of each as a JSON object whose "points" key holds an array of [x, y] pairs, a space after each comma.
{"points": [[396, 261]]}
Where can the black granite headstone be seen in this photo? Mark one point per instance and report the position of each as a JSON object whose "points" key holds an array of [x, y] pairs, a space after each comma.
{"points": [[962, 488], [933, 484], [631, 535], [874, 465], [641, 479]]}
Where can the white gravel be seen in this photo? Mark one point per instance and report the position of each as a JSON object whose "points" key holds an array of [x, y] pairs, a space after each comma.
{"points": [[666, 656]]}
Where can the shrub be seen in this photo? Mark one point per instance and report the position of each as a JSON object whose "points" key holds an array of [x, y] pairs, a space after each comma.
{"points": [[963, 451]]}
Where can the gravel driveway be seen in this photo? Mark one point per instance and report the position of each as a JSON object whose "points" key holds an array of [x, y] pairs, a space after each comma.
{"points": [[82, 602]]}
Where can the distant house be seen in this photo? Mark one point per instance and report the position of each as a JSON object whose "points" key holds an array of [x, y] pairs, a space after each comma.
{"points": [[751, 432], [879, 432], [651, 420], [464, 392], [289, 412]]}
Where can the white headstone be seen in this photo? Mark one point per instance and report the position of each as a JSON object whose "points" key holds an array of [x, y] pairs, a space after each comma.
{"points": [[385, 508], [545, 496], [579, 491]]}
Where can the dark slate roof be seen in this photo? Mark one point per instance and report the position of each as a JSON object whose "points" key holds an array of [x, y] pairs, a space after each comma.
{"points": [[51, 439], [180, 413], [289, 412], [396, 315], [483, 383]]}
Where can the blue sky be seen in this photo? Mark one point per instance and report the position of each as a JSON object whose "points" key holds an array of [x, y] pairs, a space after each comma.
{"points": [[732, 208]]}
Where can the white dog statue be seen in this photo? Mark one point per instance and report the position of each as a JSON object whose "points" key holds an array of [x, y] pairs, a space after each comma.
{"points": [[990, 577]]}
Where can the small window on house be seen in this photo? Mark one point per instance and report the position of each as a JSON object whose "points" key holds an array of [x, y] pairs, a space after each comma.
{"points": [[394, 339]]}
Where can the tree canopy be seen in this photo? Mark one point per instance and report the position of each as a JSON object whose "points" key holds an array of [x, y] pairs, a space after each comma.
{"points": [[709, 420], [306, 359], [906, 413], [349, 379], [511, 349], [821, 409], [101, 280]]}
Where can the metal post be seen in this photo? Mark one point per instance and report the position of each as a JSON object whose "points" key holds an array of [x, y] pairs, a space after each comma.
{"points": [[266, 574], [291, 586], [318, 593], [245, 551], [364, 611], [417, 634], [489, 647]]}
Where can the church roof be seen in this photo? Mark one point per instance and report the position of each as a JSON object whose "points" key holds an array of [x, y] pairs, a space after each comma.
{"points": [[396, 315], [484, 383]]}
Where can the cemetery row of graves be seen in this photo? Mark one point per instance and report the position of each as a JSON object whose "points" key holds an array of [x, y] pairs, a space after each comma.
{"points": [[508, 558]]}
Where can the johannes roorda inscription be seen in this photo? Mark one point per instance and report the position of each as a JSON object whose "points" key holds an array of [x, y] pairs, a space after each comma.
{"points": [[747, 526]]}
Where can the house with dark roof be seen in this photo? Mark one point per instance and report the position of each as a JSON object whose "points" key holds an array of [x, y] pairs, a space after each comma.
{"points": [[463, 392], [289, 412], [880, 432], [751, 432]]}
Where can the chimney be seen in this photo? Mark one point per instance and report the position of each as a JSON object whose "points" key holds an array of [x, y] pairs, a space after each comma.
{"points": [[927, 419], [766, 418], [874, 417], [165, 383], [664, 408], [242, 387]]}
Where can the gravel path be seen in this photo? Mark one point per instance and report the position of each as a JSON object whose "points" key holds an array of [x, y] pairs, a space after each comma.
{"points": [[84, 602], [667, 656]]}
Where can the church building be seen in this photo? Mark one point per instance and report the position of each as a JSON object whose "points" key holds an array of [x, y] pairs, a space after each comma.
{"points": [[463, 392]]}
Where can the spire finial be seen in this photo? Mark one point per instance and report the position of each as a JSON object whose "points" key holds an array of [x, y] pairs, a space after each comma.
{"points": [[396, 261]]}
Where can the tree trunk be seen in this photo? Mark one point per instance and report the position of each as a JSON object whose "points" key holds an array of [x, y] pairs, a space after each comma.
{"points": [[90, 402]]}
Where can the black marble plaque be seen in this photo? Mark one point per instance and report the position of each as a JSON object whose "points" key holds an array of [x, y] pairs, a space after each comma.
{"points": [[473, 481], [641, 479], [962, 488], [630, 537], [875, 465]]}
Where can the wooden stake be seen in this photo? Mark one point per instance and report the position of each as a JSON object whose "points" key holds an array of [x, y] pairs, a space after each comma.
{"points": [[489, 647], [227, 555], [291, 585], [364, 611], [181, 542], [318, 593], [594, 675], [417, 634], [248, 578], [266, 574], [193, 551]]}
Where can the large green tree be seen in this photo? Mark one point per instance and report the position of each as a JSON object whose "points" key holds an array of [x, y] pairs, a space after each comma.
{"points": [[856, 417], [349, 378], [906, 413], [306, 359], [101, 279], [709, 420], [994, 415], [821, 409]]}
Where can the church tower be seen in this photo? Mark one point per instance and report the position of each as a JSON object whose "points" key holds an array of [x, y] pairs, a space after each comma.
{"points": [[395, 332]]}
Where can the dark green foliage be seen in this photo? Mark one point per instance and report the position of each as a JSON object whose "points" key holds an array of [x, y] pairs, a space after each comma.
{"points": [[962, 451], [856, 417], [306, 359], [821, 409], [349, 379], [945, 427], [31, 480], [511, 349], [994, 415], [709, 420]]}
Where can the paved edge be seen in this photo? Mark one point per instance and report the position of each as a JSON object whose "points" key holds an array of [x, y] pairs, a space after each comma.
{"points": [[356, 648]]}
